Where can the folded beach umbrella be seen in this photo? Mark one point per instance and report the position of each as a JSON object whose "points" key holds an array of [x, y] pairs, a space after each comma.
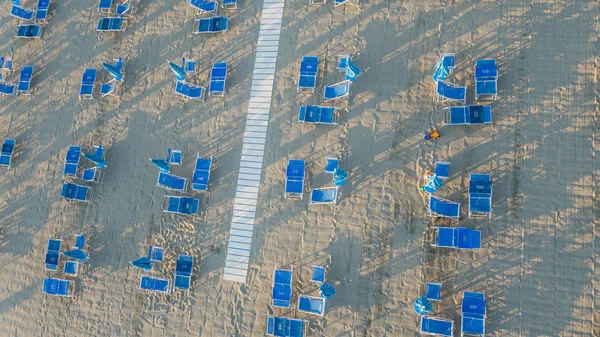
{"points": [[100, 163], [143, 263], [161, 164], [76, 254], [326, 291], [433, 184], [423, 306], [179, 72], [113, 71], [352, 71], [339, 177]]}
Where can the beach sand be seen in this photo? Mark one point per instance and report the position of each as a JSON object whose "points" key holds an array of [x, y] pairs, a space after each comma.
{"points": [[538, 262]]}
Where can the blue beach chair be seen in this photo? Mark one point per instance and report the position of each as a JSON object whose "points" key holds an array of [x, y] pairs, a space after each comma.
{"points": [[182, 205], [53, 254], [440, 207], [156, 254], [8, 89], [171, 182], [93, 175], [189, 91], [113, 24], [86, 90], [109, 89], [282, 287], [29, 32], [24, 14], [486, 78], [154, 284], [25, 80], [323, 196], [201, 175], [218, 75], [480, 195], [285, 327], [294, 178], [468, 115], [212, 25], [337, 3], [6, 63], [444, 66], [104, 6], [183, 272], [8, 148], [72, 161], [316, 114], [41, 14], [473, 312], [229, 4], [337, 91], [76, 192], [307, 78], [433, 291], [446, 91], [79, 241], [457, 237], [71, 268], [332, 164], [436, 326], [318, 274], [188, 65], [56, 287], [203, 6], [311, 305], [123, 8], [176, 157], [442, 169]]}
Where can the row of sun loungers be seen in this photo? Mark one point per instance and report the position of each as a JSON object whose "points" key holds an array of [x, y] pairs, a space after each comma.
{"points": [[473, 315], [307, 78], [480, 199], [122, 9], [218, 78], [56, 286], [294, 185], [183, 277], [210, 7], [486, 80], [281, 292], [23, 87], [39, 15], [200, 177]]}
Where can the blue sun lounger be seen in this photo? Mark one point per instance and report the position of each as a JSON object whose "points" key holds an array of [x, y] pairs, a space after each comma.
{"points": [[8, 148], [79, 241], [331, 165], [72, 161], [56, 287], [123, 8], [104, 6], [183, 272], [473, 312], [282, 287], [486, 78], [446, 91], [201, 175], [109, 89], [24, 14], [316, 114], [440, 207], [76, 192], [311, 305], [182, 205], [203, 6], [468, 115], [457, 237], [8, 89], [53, 254], [212, 25], [189, 91], [29, 32], [318, 274], [480, 195], [442, 169], [433, 291], [41, 14], [307, 78], [444, 66], [156, 254], [294, 178], [218, 75], [154, 284], [436, 326], [323, 196], [171, 182], [337, 91], [285, 327], [113, 24], [229, 4], [25, 80], [86, 90]]}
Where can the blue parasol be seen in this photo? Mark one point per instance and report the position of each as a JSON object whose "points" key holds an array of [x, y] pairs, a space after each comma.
{"points": [[114, 72], [423, 306], [352, 72], [76, 254], [143, 263], [179, 72], [433, 184], [339, 177], [326, 291]]}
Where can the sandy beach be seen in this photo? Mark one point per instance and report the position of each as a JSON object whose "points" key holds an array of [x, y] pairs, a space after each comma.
{"points": [[537, 265]]}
